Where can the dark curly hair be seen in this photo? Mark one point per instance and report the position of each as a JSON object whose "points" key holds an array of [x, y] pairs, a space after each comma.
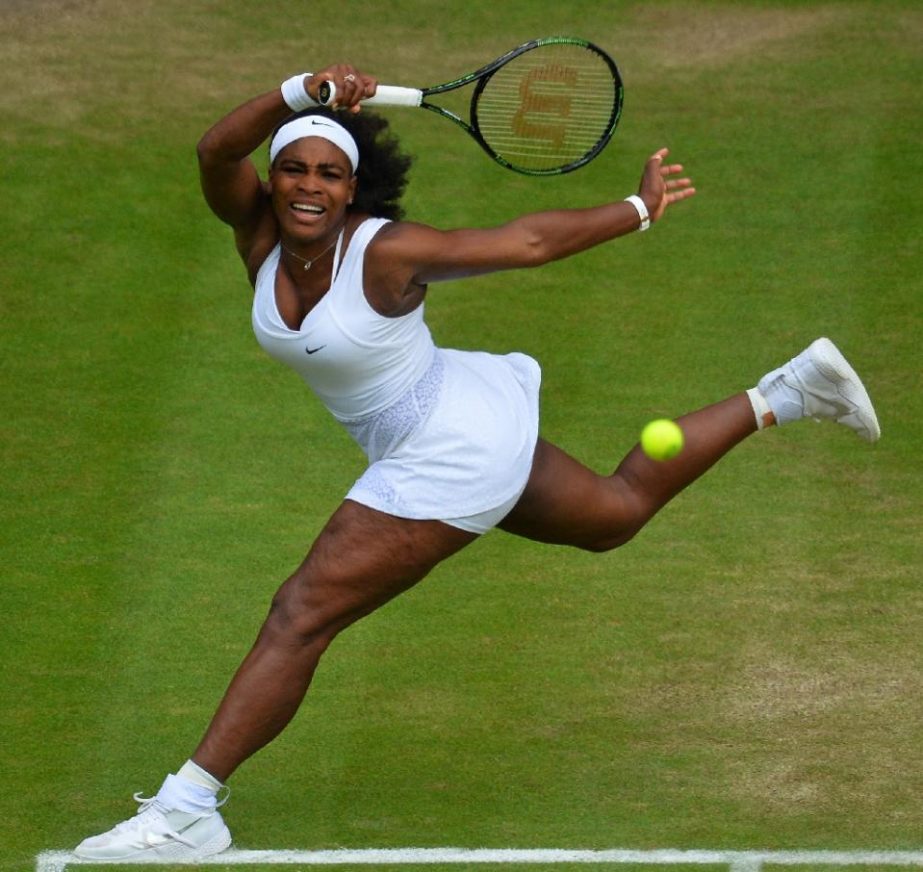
{"points": [[383, 167]]}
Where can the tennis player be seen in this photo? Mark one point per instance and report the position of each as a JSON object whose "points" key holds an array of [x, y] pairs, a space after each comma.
{"points": [[451, 436]]}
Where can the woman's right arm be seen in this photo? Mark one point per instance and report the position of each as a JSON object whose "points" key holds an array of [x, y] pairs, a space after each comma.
{"points": [[230, 181]]}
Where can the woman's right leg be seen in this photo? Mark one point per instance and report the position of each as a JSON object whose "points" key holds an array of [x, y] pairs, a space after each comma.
{"points": [[361, 559]]}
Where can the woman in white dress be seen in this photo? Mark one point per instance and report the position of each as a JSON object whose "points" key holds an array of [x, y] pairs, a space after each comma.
{"points": [[451, 436]]}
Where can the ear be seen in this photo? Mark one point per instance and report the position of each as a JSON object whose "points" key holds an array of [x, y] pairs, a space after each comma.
{"points": [[353, 185]]}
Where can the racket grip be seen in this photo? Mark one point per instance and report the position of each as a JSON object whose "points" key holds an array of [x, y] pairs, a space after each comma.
{"points": [[386, 95]]}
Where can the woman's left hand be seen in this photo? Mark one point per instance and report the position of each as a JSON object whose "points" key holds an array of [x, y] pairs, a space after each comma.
{"points": [[658, 187]]}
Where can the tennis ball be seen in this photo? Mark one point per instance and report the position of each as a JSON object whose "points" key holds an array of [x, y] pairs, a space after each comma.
{"points": [[662, 439]]}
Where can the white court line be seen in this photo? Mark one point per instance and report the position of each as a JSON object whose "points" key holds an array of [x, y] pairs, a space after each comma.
{"points": [[738, 861]]}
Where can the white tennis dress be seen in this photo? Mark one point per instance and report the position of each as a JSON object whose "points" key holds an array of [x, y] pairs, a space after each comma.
{"points": [[449, 435]]}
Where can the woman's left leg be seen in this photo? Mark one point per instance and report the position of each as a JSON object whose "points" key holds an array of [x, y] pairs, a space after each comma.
{"points": [[568, 504]]}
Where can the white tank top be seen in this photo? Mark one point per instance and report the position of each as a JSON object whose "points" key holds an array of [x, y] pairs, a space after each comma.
{"points": [[357, 361]]}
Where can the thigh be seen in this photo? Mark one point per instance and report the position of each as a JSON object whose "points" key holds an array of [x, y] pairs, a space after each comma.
{"points": [[566, 503], [362, 558]]}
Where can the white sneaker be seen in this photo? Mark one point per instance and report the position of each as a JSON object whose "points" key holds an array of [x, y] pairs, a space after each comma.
{"points": [[820, 383], [158, 833]]}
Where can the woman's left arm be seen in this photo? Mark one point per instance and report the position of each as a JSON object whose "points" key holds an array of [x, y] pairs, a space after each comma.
{"points": [[418, 255], [559, 234]]}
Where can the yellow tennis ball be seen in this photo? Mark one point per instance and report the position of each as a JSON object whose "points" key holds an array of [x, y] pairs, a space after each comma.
{"points": [[662, 439]]}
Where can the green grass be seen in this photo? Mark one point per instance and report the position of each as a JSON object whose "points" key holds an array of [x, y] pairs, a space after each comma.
{"points": [[746, 674]]}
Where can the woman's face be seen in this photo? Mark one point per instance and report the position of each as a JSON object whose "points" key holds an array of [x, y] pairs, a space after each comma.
{"points": [[312, 185]]}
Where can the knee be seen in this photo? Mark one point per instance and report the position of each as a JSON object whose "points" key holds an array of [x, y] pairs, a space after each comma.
{"points": [[305, 612], [628, 509], [621, 516]]}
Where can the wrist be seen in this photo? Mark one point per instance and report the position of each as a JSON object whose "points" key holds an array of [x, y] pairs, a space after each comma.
{"points": [[641, 209], [296, 95]]}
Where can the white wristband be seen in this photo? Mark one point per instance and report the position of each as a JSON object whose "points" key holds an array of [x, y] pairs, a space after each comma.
{"points": [[638, 203], [295, 94]]}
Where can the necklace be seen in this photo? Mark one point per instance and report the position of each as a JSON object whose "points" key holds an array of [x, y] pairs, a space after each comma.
{"points": [[309, 263]]}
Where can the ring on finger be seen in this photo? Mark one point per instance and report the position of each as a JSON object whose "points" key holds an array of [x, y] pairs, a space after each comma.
{"points": [[349, 77]]}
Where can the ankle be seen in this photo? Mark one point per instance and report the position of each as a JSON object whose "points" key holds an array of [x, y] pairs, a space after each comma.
{"points": [[191, 771], [194, 795]]}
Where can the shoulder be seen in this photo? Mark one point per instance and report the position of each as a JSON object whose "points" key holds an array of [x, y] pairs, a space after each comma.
{"points": [[399, 246], [404, 238], [389, 283]]}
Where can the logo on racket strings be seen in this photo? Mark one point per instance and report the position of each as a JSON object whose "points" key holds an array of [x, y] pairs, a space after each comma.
{"points": [[545, 93]]}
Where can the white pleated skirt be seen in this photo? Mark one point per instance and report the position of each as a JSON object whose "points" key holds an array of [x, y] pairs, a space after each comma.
{"points": [[458, 447]]}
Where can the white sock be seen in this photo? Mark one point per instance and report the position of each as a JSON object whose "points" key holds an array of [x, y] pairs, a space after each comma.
{"points": [[761, 408], [192, 790], [197, 775], [178, 794]]}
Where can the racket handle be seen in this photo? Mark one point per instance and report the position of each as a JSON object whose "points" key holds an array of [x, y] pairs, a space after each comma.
{"points": [[386, 95]]}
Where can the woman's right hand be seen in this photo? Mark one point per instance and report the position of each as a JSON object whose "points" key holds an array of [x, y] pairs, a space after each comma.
{"points": [[351, 85]]}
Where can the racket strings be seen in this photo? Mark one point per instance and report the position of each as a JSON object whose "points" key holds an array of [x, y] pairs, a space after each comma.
{"points": [[549, 107]]}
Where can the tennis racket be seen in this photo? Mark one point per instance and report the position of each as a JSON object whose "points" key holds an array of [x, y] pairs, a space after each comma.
{"points": [[547, 107]]}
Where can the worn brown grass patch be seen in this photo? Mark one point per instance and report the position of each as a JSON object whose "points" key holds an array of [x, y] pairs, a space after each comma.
{"points": [[716, 35]]}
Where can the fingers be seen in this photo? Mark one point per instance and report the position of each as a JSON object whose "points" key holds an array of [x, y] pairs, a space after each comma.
{"points": [[683, 194], [355, 87], [678, 189], [663, 184], [349, 86], [667, 171], [369, 87]]}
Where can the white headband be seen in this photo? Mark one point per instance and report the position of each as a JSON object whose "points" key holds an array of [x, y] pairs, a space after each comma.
{"points": [[316, 125]]}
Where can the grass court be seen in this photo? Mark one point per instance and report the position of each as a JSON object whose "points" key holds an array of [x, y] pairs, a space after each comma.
{"points": [[745, 675]]}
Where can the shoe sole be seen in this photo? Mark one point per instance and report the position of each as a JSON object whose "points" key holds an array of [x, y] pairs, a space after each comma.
{"points": [[219, 842], [830, 361]]}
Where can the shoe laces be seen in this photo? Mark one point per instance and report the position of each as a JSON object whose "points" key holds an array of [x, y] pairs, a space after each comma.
{"points": [[145, 803], [149, 810], [154, 813], [222, 796]]}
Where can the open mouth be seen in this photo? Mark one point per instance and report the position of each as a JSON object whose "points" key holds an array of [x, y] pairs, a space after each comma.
{"points": [[308, 209]]}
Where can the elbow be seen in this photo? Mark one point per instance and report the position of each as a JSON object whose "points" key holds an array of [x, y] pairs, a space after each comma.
{"points": [[536, 249], [208, 149], [205, 150]]}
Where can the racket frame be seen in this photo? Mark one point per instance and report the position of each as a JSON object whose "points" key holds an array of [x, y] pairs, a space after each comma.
{"points": [[391, 95]]}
